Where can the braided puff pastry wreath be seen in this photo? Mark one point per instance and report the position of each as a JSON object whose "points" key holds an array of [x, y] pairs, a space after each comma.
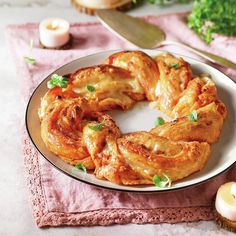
{"points": [[75, 127]]}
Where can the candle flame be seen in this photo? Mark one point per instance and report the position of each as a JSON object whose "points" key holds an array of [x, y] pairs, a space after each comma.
{"points": [[54, 24], [233, 190]]}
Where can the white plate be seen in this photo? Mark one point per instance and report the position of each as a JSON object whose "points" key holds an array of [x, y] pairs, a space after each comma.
{"points": [[141, 117]]}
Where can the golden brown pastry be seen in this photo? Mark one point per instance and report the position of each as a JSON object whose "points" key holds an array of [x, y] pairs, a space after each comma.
{"points": [[200, 92], [175, 74], [74, 127], [142, 67], [136, 158], [110, 87], [62, 129], [109, 163], [113, 87], [150, 155], [112, 165], [206, 128]]}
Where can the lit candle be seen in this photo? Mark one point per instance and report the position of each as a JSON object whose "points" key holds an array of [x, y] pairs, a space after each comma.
{"points": [[226, 201], [54, 32]]}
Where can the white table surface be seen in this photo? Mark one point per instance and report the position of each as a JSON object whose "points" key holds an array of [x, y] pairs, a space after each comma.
{"points": [[15, 212]]}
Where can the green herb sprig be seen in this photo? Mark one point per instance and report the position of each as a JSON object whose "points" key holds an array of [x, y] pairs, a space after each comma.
{"points": [[30, 60], [96, 127], [90, 88], [175, 66], [162, 182], [193, 116], [159, 121], [57, 80], [213, 16], [80, 166]]}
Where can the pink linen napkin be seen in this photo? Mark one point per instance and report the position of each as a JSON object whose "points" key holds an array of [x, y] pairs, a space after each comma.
{"points": [[60, 200]]}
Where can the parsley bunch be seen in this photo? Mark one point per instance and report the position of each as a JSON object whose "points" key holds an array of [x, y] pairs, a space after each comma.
{"points": [[213, 16]]}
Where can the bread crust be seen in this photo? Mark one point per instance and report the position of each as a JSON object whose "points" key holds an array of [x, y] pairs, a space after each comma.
{"points": [[114, 87], [177, 148], [143, 68], [206, 128]]}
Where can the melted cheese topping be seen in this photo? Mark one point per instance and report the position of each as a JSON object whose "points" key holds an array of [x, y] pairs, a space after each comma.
{"points": [[111, 86], [133, 161], [158, 90], [105, 84]]}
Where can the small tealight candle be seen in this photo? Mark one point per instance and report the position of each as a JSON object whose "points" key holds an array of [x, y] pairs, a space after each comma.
{"points": [[226, 201], [54, 32]]}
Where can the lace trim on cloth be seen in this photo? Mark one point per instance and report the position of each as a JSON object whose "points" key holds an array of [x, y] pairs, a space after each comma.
{"points": [[98, 217]]}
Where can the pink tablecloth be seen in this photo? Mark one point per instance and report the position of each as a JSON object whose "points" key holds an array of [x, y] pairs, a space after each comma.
{"points": [[59, 200]]}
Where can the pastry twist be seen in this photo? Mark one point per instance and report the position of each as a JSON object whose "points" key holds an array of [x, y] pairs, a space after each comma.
{"points": [[75, 127]]}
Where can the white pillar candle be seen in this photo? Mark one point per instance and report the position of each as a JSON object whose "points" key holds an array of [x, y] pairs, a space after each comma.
{"points": [[226, 201], [54, 32]]}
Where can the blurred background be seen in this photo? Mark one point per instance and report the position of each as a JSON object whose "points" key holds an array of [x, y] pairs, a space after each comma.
{"points": [[64, 3]]}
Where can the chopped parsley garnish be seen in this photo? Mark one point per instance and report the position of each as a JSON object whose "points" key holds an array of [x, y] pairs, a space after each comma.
{"points": [[159, 121], [96, 127], [162, 182], [193, 116], [57, 80], [175, 66], [30, 60], [80, 166], [90, 88]]}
